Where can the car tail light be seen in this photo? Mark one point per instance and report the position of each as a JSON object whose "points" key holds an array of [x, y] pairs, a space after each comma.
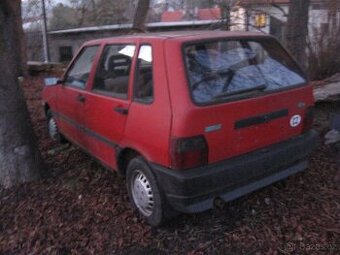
{"points": [[188, 152], [308, 120]]}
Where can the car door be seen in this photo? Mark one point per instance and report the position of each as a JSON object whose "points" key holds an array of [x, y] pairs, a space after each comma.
{"points": [[72, 98], [107, 104], [149, 122]]}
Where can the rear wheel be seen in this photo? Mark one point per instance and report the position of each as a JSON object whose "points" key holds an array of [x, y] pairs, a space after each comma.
{"points": [[144, 192]]}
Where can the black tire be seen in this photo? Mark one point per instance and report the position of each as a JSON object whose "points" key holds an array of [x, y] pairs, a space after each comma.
{"points": [[160, 211], [57, 136]]}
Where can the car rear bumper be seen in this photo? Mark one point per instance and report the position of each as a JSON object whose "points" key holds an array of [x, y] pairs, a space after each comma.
{"points": [[194, 190]]}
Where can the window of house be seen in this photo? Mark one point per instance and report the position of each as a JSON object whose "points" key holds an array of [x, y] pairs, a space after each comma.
{"points": [[144, 76], [260, 20], [79, 73], [65, 53], [112, 75]]}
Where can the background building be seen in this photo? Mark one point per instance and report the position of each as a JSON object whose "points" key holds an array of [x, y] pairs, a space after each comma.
{"points": [[71, 23]]}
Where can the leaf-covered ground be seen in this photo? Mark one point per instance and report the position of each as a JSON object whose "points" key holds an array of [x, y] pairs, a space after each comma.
{"points": [[81, 208]]}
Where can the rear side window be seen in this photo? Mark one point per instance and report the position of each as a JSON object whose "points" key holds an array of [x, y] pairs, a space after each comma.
{"points": [[226, 69], [144, 76], [113, 71], [79, 73]]}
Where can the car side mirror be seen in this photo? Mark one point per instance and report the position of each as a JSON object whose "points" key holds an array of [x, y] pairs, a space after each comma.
{"points": [[50, 81], [60, 81]]}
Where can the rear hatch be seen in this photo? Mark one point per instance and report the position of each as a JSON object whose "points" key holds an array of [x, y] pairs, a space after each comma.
{"points": [[247, 94], [240, 127]]}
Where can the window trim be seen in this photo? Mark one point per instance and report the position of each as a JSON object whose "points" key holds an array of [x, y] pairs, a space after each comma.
{"points": [[65, 84], [134, 98], [110, 94], [96, 91]]}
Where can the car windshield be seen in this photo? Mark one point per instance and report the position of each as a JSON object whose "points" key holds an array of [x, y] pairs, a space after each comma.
{"points": [[219, 69]]}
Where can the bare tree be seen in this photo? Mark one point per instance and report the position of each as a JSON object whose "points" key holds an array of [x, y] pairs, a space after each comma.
{"points": [[64, 17], [297, 30], [83, 13], [20, 160], [226, 9], [140, 15], [323, 44]]}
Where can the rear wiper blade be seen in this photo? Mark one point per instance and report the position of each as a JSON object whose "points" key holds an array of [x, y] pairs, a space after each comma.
{"points": [[252, 89]]}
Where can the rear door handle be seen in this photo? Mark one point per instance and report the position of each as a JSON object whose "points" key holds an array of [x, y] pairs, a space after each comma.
{"points": [[81, 98], [121, 110]]}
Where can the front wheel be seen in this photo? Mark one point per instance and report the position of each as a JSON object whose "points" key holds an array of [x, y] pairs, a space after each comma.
{"points": [[144, 193], [53, 130]]}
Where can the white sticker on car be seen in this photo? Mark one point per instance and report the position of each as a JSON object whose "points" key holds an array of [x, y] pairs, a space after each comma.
{"points": [[295, 120]]}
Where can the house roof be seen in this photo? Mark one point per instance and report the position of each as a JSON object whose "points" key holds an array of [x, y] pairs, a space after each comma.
{"points": [[250, 2], [188, 35], [129, 26], [283, 2]]}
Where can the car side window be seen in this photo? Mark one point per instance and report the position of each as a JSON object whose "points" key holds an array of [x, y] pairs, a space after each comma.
{"points": [[113, 71], [143, 89], [79, 72]]}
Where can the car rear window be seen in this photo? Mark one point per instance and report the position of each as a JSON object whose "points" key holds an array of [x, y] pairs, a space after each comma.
{"points": [[224, 69]]}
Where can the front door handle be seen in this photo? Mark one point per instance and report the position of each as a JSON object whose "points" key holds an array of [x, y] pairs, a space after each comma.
{"points": [[121, 110], [81, 98]]}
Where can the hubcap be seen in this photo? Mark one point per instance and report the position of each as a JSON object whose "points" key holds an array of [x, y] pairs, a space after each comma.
{"points": [[52, 129], [142, 193]]}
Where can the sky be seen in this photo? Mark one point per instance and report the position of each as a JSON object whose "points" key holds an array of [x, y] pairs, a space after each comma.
{"points": [[53, 1]]}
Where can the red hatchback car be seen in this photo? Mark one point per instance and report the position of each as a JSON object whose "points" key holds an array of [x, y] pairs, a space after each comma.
{"points": [[187, 117]]}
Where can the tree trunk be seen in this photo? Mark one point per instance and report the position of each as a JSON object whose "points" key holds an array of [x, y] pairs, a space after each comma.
{"points": [[225, 9], [297, 30], [141, 13], [20, 160], [19, 37], [22, 53]]}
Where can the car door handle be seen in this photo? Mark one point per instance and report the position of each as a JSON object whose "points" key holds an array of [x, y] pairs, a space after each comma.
{"points": [[81, 98], [121, 110]]}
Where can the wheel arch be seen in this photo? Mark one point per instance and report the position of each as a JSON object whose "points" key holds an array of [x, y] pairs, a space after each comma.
{"points": [[124, 156], [46, 108]]}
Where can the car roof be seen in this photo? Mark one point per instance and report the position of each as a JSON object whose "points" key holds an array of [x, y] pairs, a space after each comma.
{"points": [[182, 35]]}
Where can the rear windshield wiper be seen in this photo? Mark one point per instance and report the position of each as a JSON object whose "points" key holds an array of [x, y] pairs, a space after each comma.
{"points": [[243, 91], [211, 75]]}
